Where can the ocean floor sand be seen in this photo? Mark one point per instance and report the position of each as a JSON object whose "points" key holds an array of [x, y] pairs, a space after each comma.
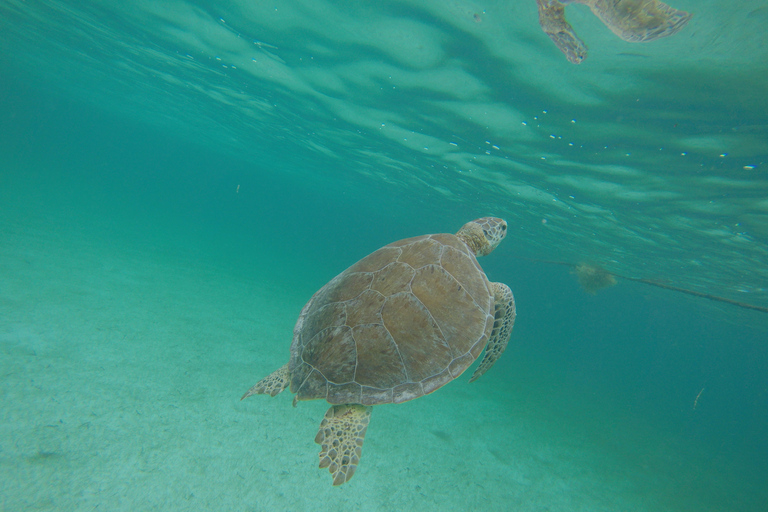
{"points": [[121, 371]]}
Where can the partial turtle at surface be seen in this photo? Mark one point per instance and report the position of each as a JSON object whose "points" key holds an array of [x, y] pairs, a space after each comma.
{"points": [[635, 21], [398, 324]]}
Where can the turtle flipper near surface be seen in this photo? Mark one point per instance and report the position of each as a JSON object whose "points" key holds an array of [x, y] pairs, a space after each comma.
{"points": [[504, 320], [553, 23], [341, 437], [635, 21], [639, 21]]}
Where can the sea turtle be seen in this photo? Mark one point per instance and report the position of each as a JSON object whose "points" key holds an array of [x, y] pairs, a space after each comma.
{"points": [[635, 21], [398, 324]]}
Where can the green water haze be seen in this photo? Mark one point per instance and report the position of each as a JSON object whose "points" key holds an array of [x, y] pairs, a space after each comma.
{"points": [[178, 178]]}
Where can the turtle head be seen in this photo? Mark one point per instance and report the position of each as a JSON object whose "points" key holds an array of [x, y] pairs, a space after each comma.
{"points": [[483, 235]]}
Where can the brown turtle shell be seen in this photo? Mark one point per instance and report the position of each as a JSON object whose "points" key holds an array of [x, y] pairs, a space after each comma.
{"points": [[396, 325]]}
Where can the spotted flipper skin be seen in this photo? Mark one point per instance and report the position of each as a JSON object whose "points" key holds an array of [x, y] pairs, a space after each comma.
{"points": [[272, 384], [504, 320], [553, 23], [341, 437]]}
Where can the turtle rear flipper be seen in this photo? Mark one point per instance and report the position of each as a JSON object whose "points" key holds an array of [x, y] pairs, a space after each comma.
{"points": [[272, 384], [341, 437], [639, 21], [504, 320]]}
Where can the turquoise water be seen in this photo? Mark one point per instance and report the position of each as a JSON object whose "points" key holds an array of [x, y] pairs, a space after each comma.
{"points": [[178, 178]]}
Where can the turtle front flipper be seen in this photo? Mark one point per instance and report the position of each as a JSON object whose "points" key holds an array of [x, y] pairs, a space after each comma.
{"points": [[341, 437], [272, 384], [504, 320], [553, 23]]}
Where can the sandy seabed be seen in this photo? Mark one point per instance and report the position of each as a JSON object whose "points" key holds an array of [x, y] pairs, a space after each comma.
{"points": [[122, 368]]}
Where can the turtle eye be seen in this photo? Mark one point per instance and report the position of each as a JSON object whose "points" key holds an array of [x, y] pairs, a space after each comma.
{"points": [[503, 227]]}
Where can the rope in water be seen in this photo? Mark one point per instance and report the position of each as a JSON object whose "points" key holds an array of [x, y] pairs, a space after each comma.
{"points": [[666, 287]]}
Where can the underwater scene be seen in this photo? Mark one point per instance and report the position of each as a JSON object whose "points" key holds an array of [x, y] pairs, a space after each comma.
{"points": [[179, 178]]}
